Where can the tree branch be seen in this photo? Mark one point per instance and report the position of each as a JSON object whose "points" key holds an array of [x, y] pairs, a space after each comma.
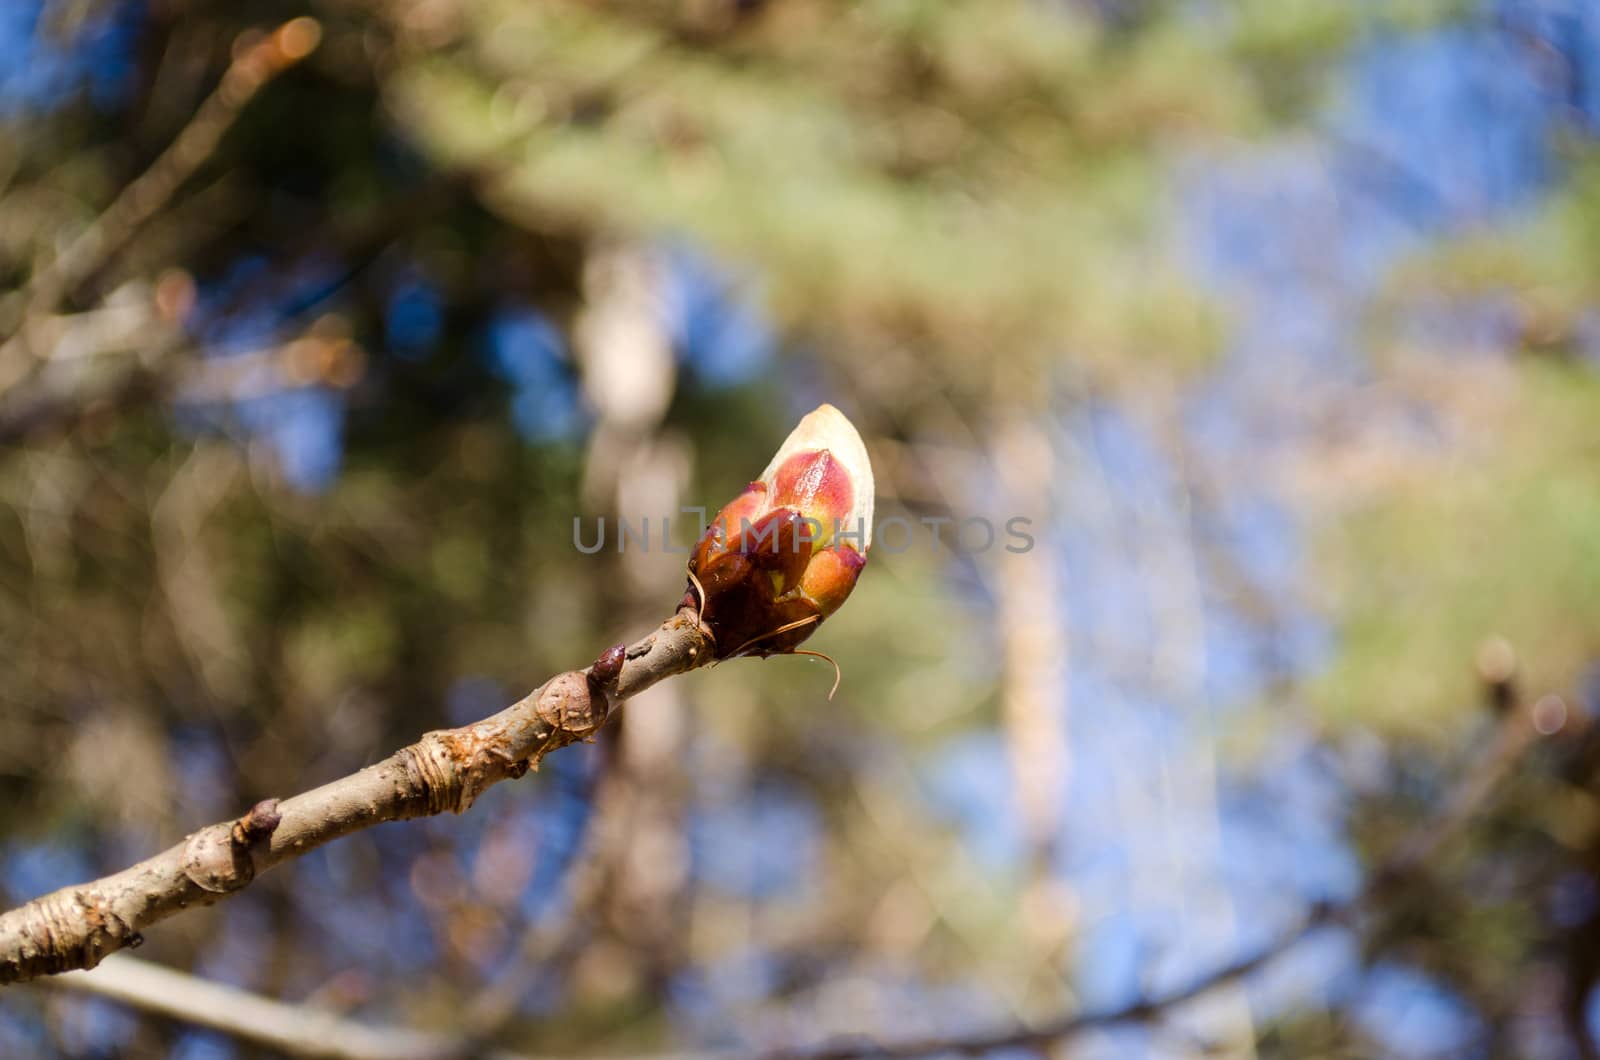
{"points": [[256, 62], [1462, 805], [299, 1030], [256, 1018], [76, 927]]}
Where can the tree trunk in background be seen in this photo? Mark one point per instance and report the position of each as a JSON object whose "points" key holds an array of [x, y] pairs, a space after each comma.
{"points": [[1035, 693], [629, 374], [1189, 884]]}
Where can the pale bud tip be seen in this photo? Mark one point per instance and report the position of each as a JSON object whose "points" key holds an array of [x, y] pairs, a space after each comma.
{"points": [[827, 429]]}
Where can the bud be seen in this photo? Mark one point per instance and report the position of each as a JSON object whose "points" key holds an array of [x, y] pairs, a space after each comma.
{"points": [[784, 554]]}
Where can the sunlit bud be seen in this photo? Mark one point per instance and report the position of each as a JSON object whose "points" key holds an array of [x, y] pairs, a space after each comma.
{"points": [[786, 552]]}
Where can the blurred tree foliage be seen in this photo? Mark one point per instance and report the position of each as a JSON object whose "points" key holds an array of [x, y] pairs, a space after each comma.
{"points": [[1500, 534], [290, 477]]}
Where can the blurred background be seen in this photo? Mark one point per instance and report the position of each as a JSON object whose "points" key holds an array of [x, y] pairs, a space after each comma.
{"points": [[1278, 318]]}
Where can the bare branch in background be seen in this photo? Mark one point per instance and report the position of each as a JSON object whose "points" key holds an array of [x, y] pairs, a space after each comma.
{"points": [[1516, 733], [255, 64], [39, 340], [76, 927], [299, 1030]]}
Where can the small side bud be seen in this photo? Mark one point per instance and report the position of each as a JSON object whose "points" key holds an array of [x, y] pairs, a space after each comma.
{"points": [[606, 670], [1496, 662]]}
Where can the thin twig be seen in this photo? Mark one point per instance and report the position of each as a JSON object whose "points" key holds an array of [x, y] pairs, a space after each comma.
{"points": [[1467, 799], [299, 1030], [76, 927], [296, 1029]]}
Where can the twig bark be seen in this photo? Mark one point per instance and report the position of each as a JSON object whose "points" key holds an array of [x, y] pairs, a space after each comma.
{"points": [[76, 927]]}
